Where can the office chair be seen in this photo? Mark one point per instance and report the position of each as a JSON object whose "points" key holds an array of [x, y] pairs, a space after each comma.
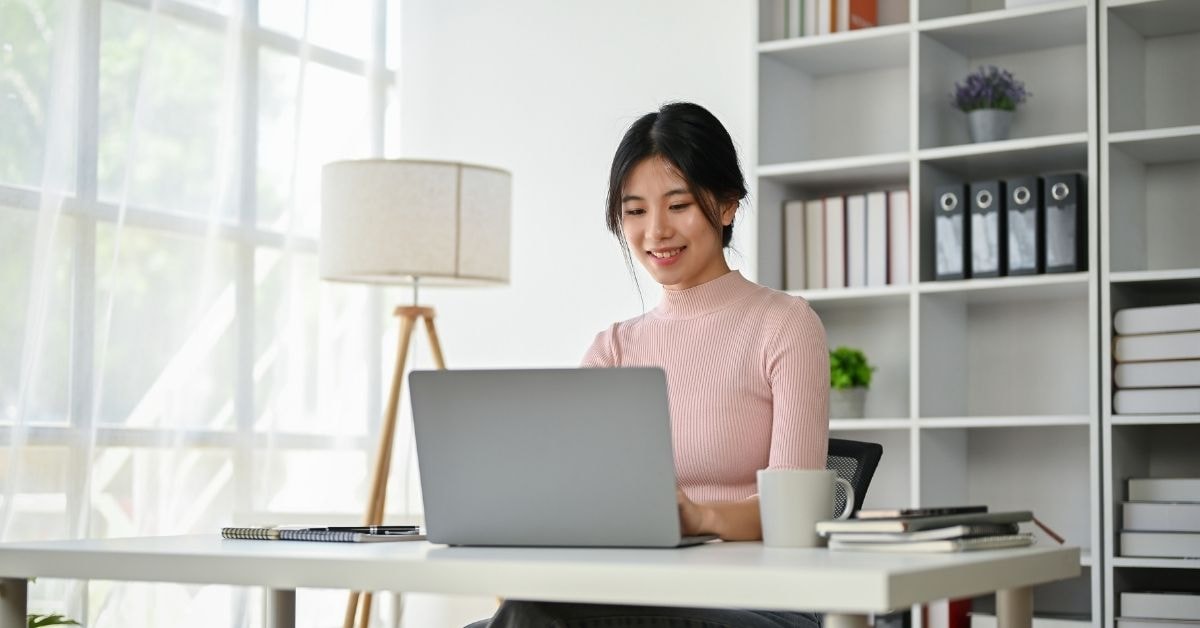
{"points": [[855, 461]]}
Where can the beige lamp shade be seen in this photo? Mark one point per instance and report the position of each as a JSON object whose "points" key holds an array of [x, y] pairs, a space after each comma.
{"points": [[393, 220]]}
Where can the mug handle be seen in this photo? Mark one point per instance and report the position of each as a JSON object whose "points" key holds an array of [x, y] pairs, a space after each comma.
{"points": [[849, 498]]}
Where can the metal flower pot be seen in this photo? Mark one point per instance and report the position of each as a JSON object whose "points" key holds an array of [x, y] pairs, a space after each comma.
{"points": [[847, 403], [989, 125]]}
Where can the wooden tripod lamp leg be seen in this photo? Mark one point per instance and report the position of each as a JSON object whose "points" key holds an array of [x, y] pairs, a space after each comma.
{"points": [[383, 460]]}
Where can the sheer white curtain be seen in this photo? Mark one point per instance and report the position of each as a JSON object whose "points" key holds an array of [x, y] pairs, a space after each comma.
{"points": [[169, 360]]}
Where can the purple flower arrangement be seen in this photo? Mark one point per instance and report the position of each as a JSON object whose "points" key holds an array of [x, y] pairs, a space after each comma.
{"points": [[990, 87]]}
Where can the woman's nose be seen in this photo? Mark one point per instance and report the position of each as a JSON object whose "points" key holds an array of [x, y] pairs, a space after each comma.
{"points": [[660, 224]]}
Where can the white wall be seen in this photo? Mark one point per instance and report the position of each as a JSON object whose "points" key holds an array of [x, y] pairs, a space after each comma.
{"points": [[545, 89]]}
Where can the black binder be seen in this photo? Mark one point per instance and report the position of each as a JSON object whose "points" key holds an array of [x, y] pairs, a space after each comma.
{"points": [[1066, 223], [952, 232], [1026, 226], [989, 242]]}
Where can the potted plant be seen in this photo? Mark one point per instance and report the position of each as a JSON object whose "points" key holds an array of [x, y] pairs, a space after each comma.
{"points": [[989, 96], [849, 379]]}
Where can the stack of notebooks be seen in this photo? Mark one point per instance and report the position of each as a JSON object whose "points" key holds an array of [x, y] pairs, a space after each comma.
{"points": [[1161, 518], [946, 529], [326, 534], [1157, 350], [1151, 609]]}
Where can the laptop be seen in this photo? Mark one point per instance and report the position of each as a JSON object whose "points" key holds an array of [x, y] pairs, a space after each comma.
{"points": [[547, 457]]}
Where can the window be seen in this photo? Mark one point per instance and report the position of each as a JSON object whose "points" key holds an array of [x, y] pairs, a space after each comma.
{"points": [[169, 358]]}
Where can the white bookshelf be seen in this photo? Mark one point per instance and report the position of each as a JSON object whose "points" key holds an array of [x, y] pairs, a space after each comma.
{"points": [[1149, 51], [986, 390]]}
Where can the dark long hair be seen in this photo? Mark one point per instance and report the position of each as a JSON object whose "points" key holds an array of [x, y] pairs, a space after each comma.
{"points": [[693, 141]]}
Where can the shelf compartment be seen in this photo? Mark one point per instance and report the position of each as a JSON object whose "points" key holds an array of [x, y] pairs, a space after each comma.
{"points": [[1152, 204], [979, 346], [855, 51], [1150, 81], [950, 12], [991, 160], [811, 115], [1055, 75], [811, 180], [983, 422], [847, 174], [882, 332], [965, 466], [994, 33], [1158, 18]]}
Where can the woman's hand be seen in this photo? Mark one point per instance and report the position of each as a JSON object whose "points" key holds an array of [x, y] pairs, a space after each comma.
{"points": [[731, 521], [692, 516]]}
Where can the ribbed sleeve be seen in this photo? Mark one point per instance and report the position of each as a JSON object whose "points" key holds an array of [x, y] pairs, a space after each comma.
{"points": [[747, 376]]}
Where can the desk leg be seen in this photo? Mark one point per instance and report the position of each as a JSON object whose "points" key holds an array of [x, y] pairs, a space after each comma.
{"points": [[1014, 608], [12, 602], [281, 608], [841, 620]]}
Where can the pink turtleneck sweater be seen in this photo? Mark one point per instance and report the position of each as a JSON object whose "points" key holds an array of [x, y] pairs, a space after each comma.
{"points": [[747, 376]]}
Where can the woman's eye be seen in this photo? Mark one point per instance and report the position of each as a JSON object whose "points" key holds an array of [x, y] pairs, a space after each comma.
{"points": [[681, 206], [634, 212]]}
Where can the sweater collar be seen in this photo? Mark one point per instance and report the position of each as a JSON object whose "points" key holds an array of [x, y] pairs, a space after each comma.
{"points": [[705, 298]]}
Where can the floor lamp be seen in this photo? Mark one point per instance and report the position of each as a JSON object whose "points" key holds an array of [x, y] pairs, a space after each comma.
{"points": [[418, 223]]}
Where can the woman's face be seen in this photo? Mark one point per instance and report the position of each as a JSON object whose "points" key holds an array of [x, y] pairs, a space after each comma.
{"points": [[667, 230]]}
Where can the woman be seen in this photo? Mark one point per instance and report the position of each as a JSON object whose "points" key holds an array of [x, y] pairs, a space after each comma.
{"points": [[747, 367]]}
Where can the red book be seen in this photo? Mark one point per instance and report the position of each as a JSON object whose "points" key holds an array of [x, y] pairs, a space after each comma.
{"points": [[863, 14]]}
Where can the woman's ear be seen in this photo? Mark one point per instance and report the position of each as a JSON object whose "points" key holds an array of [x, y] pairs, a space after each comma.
{"points": [[728, 213]]}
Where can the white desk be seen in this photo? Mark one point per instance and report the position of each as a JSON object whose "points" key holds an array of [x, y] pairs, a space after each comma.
{"points": [[845, 585]]}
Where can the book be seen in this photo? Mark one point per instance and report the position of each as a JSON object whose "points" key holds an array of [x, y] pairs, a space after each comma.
{"points": [[795, 17], [317, 534], [1149, 347], [892, 513], [842, 16], [877, 239], [863, 14], [913, 524], [1157, 319], [835, 242], [1161, 516], [1160, 605], [1157, 401], [1161, 544], [824, 16], [945, 545], [814, 245], [1166, 374], [1164, 490], [856, 241], [951, 532], [898, 238], [1139, 622], [810, 17], [794, 240]]}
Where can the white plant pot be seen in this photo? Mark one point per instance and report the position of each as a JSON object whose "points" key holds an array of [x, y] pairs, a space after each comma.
{"points": [[988, 125], [847, 403]]}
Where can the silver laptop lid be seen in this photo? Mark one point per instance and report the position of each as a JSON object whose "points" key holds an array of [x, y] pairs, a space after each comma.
{"points": [[551, 457]]}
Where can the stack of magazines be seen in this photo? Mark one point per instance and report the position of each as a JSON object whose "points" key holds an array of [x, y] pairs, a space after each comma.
{"points": [[946, 529], [335, 534]]}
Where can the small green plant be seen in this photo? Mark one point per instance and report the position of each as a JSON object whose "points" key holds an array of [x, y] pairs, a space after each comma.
{"points": [[40, 621], [848, 368]]}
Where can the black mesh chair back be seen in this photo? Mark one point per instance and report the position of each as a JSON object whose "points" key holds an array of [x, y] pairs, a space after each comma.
{"points": [[855, 461]]}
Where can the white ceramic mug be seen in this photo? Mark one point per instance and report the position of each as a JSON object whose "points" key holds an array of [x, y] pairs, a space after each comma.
{"points": [[792, 501]]}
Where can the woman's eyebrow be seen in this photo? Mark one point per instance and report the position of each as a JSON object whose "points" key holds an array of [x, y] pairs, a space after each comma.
{"points": [[634, 197]]}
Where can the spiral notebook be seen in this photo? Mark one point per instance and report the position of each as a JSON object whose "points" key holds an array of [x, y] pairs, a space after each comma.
{"points": [[319, 535]]}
